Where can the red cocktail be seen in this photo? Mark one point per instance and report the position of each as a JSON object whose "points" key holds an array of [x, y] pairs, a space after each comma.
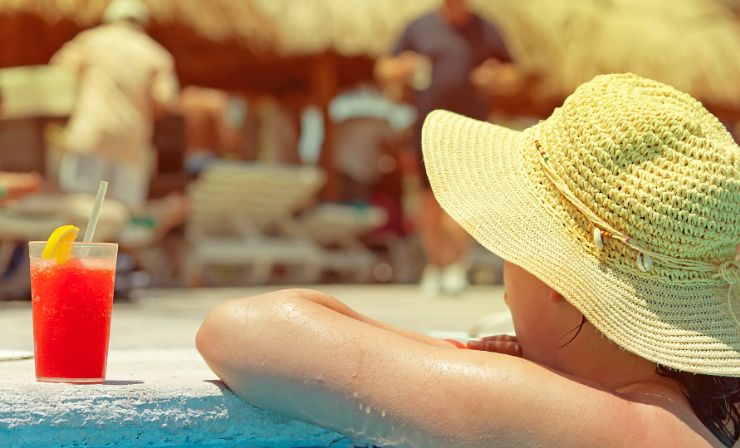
{"points": [[71, 312]]}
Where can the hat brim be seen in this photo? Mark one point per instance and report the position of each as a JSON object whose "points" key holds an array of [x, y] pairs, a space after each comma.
{"points": [[478, 173]]}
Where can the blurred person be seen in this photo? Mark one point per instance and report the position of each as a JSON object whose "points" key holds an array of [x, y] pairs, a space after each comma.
{"points": [[367, 123], [281, 129], [213, 119], [446, 56], [620, 275], [359, 144], [126, 80], [367, 139]]}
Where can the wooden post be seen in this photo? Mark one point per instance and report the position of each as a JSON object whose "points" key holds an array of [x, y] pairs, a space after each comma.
{"points": [[325, 87]]}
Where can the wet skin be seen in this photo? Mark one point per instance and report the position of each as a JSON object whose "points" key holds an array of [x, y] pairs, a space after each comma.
{"points": [[306, 355]]}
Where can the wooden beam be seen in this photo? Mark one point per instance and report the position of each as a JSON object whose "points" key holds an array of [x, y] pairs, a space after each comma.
{"points": [[325, 87]]}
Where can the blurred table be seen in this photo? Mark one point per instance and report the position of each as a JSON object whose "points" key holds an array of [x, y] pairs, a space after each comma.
{"points": [[23, 148]]}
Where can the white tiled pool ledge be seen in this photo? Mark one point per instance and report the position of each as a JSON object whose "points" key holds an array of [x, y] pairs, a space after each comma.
{"points": [[153, 398]]}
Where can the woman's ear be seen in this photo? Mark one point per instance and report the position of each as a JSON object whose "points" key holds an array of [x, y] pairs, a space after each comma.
{"points": [[554, 296]]}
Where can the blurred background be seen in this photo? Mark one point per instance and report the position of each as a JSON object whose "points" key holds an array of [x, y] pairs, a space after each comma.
{"points": [[276, 142]]}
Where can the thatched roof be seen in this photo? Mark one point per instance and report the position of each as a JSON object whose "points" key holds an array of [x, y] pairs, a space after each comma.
{"points": [[215, 20], [690, 44]]}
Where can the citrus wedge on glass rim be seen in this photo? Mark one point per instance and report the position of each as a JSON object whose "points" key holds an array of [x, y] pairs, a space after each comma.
{"points": [[59, 245]]}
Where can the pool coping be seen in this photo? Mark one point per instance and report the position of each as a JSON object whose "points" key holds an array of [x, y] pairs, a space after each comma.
{"points": [[153, 398]]}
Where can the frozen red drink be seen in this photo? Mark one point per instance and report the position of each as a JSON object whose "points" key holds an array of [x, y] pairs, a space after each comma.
{"points": [[72, 301]]}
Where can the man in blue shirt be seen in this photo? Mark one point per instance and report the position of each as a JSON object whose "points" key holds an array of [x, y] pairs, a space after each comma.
{"points": [[444, 56]]}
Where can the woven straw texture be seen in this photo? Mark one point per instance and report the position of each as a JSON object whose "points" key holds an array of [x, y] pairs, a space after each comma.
{"points": [[640, 157]]}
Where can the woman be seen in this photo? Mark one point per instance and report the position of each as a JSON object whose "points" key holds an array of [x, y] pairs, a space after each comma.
{"points": [[619, 218]]}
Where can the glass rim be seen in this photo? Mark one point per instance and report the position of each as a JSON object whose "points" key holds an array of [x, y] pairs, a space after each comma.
{"points": [[77, 244], [78, 249]]}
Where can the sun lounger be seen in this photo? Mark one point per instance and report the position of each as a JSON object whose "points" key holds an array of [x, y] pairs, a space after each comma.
{"points": [[338, 229], [244, 215]]}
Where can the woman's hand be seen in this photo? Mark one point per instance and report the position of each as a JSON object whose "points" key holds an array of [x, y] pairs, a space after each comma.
{"points": [[501, 343]]}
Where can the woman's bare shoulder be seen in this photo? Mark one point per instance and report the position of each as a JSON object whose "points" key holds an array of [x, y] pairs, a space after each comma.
{"points": [[667, 404], [536, 406]]}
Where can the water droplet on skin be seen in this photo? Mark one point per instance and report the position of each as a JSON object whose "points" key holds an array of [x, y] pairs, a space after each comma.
{"points": [[367, 410], [360, 406], [382, 413], [354, 375], [355, 394]]}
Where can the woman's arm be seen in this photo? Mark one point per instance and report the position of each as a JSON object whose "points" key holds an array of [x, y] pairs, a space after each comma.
{"points": [[333, 304], [304, 355]]}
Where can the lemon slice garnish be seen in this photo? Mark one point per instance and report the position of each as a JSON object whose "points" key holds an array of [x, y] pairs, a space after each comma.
{"points": [[59, 245]]}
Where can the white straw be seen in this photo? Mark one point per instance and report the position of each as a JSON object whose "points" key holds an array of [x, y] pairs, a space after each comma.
{"points": [[93, 223]]}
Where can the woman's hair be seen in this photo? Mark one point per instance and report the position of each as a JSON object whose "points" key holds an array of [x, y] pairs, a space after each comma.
{"points": [[714, 399]]}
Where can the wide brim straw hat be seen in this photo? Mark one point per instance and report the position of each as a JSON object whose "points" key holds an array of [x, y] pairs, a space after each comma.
{"points": [[626, 201]]}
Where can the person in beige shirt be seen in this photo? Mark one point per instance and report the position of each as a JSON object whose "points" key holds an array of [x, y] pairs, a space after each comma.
{"points": [[125, 80]]}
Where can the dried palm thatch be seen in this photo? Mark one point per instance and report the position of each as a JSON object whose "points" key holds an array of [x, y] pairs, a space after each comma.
{"points": [[365, 27], [690, 44], [215, 20]]}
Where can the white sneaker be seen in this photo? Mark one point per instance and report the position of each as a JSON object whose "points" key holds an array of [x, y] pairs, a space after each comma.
{"points": [[455, 278], [431, 282]]}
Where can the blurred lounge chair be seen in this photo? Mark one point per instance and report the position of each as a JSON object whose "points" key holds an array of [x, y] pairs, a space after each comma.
{"points": [[244, 215], [338, 229], [35, 217]]}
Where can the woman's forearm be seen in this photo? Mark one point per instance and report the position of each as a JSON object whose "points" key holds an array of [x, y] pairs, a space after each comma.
{"points": [[338, 306], [294, 354], [301, 358]]}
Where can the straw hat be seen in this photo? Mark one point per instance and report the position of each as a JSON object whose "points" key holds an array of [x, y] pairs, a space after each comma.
{"points": [[626, 201]]}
